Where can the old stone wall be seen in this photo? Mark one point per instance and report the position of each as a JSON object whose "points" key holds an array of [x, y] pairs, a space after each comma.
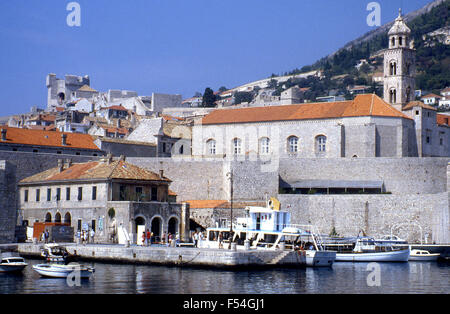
{"points": [[411, 217], [7, 202]]}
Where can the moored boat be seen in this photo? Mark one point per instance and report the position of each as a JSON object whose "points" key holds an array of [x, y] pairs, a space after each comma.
{"points": [[367, 249], [11, 263], [423, 255], [56, 253], [63, 271], [269, 228]]}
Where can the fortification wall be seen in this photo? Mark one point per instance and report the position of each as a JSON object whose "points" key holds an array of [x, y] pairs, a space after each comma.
{"points": [[7, 202], [409, 216]]}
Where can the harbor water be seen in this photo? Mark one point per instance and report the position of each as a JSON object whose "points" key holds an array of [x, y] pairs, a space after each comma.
{"points": [[348, 278]]}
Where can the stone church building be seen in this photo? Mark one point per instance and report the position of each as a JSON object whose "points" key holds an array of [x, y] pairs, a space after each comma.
{"points": [[366, 126]]}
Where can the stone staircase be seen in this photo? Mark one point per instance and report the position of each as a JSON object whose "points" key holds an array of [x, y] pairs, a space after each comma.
{"points": [[279, 257]]}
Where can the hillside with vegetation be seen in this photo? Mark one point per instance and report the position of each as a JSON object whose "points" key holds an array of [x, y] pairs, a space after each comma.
{"points": [[340, 71]]}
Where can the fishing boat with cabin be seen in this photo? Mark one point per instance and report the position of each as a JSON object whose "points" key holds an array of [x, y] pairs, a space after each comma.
{"points": [[269, 228]]}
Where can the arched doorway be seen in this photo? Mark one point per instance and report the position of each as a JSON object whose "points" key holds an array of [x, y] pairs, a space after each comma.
{"points": [[139, 229], [156, 228], [58, 217], [48, 217], [67, 219], [173, 225]]}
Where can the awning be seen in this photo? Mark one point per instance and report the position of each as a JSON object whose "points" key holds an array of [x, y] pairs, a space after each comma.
{"points": [[332, 184]]}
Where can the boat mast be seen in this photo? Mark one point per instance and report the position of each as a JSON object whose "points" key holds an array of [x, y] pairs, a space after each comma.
{"points": [[231, 208]]}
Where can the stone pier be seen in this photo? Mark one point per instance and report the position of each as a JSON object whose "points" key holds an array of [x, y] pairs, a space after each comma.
{"points": [[179, 256]]}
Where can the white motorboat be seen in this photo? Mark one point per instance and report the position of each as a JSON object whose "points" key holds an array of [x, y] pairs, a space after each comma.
{"points": [[55, 253], [62, 271], [11, 263], [269, 228], [370, 250], [423, 255]]}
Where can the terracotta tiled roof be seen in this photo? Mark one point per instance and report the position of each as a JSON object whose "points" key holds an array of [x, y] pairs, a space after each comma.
{"points": [[431, 96], [443, 119], [362, 105], [413, 104], [48, 138], [118, 169]]}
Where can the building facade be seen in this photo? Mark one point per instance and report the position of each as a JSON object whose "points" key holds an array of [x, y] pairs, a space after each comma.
{"points": [[111, 197]]}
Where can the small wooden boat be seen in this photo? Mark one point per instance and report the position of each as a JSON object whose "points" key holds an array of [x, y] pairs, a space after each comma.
{"points": [[62, 271], [423, 255], [11, 263]]}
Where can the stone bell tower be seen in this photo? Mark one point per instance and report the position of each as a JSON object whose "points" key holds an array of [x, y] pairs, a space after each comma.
{"points": [[399, 65]]}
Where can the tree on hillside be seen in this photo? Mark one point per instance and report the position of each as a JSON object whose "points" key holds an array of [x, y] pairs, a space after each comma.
{"points": [[208, 98]]}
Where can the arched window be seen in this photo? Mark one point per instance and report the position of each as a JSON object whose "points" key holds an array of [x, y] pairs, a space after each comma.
{"points": [[58, 217], [237, 146], [292, 146], [393, 68], [264, 146], [211, 147], [400, 41], [393, 42], [321, 144], [393, 96], [48, 217], [67, 218]]}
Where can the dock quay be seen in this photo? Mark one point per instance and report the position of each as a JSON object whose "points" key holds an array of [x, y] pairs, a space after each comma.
{"points": [[174, 256]]}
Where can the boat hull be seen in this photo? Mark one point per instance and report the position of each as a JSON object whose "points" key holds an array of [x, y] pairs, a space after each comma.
{"points": [[428, 258], [12, 268], [391, 256], [62, 271], [320, 258]]}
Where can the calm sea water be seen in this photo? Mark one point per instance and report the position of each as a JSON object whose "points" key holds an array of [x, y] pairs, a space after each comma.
{"points": [[405, 278]]}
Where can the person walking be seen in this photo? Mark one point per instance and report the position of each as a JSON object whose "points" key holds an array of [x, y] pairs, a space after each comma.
{"points": [[149, 238], [92, 235], [144, 238], [195, 239], [46, 236]]}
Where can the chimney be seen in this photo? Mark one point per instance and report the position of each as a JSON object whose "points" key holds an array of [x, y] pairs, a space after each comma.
{"points": [[4, 134], [161, 173], [64, 138], [60, 165], [68, 163]]}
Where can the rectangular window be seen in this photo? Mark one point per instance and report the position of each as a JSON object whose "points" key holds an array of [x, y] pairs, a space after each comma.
{"points": [[25, 196], [79, 225], [139, 193], [38, 195], [49, 195], [93, 225], [122, 193], [441, 141], [94, 193], [67, 194], [58, 194], [80, 193], [154, 193]]}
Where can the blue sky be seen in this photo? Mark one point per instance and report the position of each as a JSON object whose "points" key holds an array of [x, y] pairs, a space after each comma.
{"points": [[170, 46]]}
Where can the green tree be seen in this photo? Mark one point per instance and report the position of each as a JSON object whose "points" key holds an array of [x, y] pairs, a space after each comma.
{"points": [[208, 98]]}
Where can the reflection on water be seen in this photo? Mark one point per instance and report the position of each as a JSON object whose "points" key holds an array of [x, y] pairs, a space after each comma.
{"points": [[412, 277]]}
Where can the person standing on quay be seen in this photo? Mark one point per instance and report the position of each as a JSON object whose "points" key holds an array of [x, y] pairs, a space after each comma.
{"points": [[195, 238], [149, 238]]}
